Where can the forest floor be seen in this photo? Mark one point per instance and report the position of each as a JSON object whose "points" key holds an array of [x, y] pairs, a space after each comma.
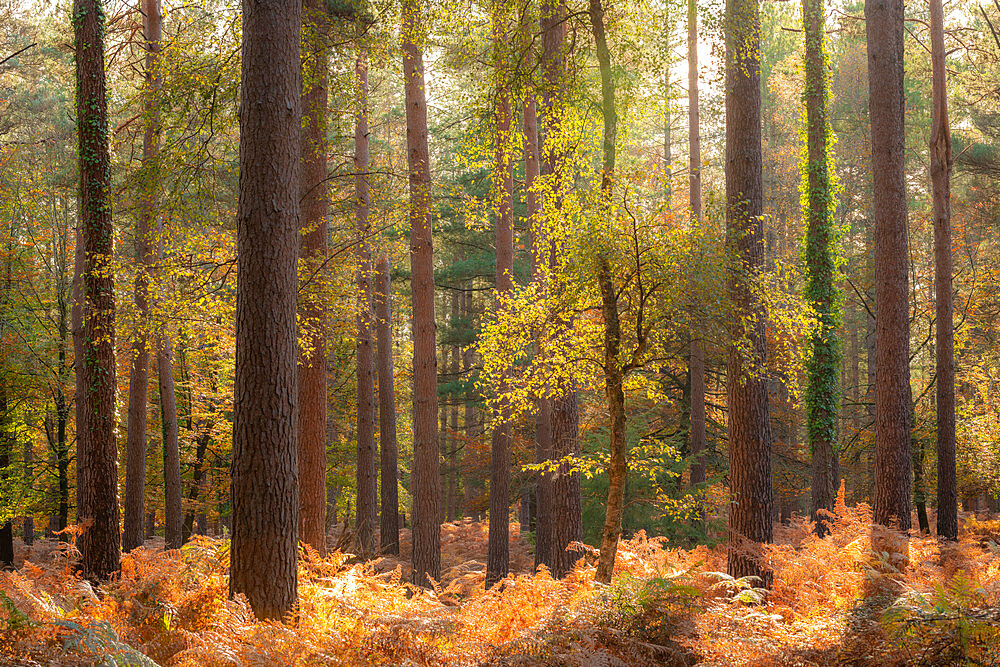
{"points": [[834, 601]]}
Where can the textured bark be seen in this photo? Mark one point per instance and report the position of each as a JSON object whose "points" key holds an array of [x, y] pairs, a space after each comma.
{"points": [[133, 534], [424, 477], [565, 513], [498, 550], [364, 530], [6, 447], [97, 460], [751, 503], [265, 464], [389, 448], [884, 25], [613, 375], [941, 161], [173, 516], [312, 253], [453, 436], [543, 425], [697, 348], [822, 394]]}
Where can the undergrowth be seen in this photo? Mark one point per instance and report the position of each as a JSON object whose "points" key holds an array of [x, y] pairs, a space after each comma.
{"points": [[834, 601]]}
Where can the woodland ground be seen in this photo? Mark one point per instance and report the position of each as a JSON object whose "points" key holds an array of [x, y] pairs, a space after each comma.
{"points": [[834, 601]]}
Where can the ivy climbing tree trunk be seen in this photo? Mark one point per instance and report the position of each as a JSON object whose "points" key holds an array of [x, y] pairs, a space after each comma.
{"points": [[135, 446], [823, 390], [941, 161], [97, 450], [265, 494], [750, 509], [884, 27], [312, 304], [498, 550], [424, 477], [364, 529], [389, 448]]}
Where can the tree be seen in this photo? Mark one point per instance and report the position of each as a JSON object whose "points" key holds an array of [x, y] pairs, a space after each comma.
{"points": [[135, 448], [312, 252], [696, 365], [941, 161], [265, 524], [884, 28], [746, 383], [389, 448], [364, 528], [564, 513], [424, 477], [97, 457], [498, 553], [823, 392]]}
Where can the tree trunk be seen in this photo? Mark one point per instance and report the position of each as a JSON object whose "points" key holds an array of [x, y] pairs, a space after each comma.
{"points": [[196, 490], [173, 517], [6, 448], [97, 459], [424, 478], [389, 448], [565, 516], [454, 439], [823, 390], [135, 448], [749, 430], [364, 530], [543, 425], [697, 347], [314, 198], [265, 523], [941, 161], [884, 25], [29, 461], [498, 551]]}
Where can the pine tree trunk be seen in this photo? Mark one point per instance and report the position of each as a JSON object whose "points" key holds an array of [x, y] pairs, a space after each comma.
{"points": [[823, 391], [97, 457], [884, 25], [498, 551], [424, 478], [367, 480], [135, 447], [265, 494], [389, 448], [314, 197], [750, 510], [941, 161], [454, 439], [697, 347]]}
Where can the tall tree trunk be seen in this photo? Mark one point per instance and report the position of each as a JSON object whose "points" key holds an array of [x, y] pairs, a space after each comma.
{"points": [[697, 346], [565, 514], [498, 551], [197, 490], [364, 530], [97, 458], [265, 494], [613, 376], [135, 447], [941, 160], [389, 448], [884, 25], [173, 517], [29, 462], [454, 439], [6, 448], [823, 391], [312, 253], [469, 417], [424, 478], [749, 429], [543, 424]]}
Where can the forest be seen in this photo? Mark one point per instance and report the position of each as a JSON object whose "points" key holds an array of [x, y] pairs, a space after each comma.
{"points": [[517, 332]]}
